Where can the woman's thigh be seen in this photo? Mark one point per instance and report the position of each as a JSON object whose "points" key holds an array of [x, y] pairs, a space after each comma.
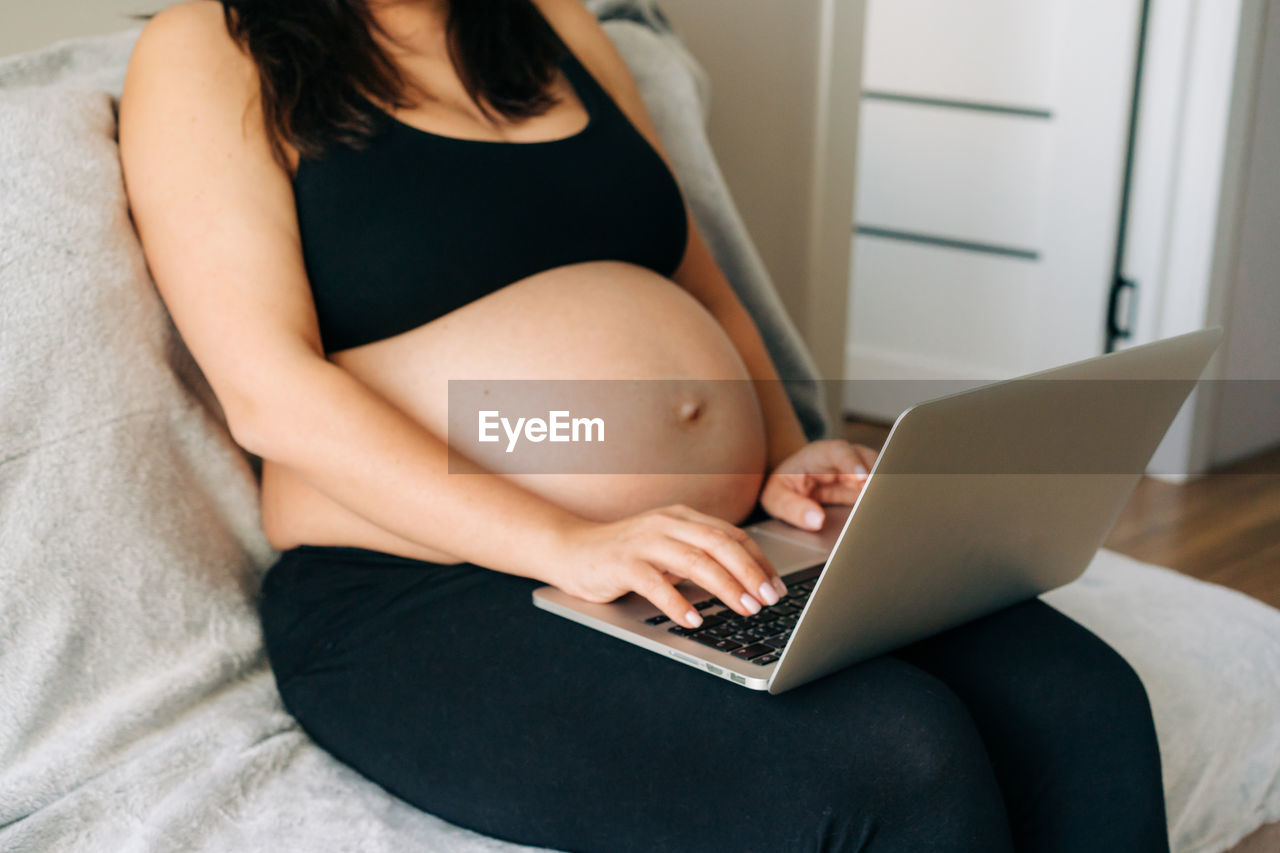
{"points": [[456, 694], [1066, 723]]}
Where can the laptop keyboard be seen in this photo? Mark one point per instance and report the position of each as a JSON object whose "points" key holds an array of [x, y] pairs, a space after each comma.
{"points": [[759, 638]]}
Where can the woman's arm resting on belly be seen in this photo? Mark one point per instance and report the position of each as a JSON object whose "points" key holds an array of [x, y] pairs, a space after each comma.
{"points": [[365, 454]]}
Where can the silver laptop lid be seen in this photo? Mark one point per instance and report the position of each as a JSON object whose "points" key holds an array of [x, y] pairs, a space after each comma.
{"points": [[990, 496]]}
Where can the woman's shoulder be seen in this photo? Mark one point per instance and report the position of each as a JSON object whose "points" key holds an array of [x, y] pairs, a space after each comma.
{"points": [[186, 53], [187, 74], [195, 31]]}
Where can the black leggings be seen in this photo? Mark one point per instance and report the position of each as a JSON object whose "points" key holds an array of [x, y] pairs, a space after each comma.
{"points": [[447, 687]]}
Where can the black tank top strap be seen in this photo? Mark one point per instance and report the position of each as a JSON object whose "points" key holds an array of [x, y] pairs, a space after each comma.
{"points": [[593, 96]]}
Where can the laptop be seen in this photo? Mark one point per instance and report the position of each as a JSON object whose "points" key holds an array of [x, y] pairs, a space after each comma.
{"points": [[978, 500]]}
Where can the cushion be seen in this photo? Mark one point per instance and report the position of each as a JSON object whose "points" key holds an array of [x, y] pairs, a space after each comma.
{"points": [[137, 710]]}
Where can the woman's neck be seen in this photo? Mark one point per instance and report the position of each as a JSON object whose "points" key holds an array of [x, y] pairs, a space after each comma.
{"points": [[416, 28]]}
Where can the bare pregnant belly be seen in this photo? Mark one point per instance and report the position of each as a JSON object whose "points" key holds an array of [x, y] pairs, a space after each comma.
{"points": [[698, 437]]}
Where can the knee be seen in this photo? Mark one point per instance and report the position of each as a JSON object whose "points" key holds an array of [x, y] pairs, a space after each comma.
{"points": [[931, 751], [1118, 680], [922, 780], [1090, 736], [1125, 726], [1083, 759], [1103, 695]]}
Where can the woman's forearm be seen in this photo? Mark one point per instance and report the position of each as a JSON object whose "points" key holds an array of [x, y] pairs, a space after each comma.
{"points": [[351, 444]]}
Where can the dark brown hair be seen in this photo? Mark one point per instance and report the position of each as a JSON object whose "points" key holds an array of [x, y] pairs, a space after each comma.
{"points": [[316, 59]]}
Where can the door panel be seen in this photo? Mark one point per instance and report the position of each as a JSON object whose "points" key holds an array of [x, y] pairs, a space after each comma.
{"points": [[909, 318], [990, 166], [963, 174], [984, 50]]}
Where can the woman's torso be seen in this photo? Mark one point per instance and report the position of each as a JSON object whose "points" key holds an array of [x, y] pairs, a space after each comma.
{"points": [[434, 258]]}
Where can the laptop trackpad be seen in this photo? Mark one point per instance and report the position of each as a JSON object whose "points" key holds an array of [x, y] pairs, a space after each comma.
{"points": [[787, 556]]}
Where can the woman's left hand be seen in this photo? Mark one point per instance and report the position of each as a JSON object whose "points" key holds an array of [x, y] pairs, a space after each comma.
{"points": [[821, 472]]}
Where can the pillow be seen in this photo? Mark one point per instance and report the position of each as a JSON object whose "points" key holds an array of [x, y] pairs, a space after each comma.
{"points": [[129, 530]]}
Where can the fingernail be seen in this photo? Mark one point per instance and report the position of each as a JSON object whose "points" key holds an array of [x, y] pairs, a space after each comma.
{"points": [[751, 604], [768, 593], [859, 471], [780, 587], [813, 518], [693, 618]]}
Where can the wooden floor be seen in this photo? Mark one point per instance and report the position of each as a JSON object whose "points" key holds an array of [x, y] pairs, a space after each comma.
{"points": [[1223, 527]]}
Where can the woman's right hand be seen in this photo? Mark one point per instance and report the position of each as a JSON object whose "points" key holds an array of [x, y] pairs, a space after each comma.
{"points": [[651, 552]]}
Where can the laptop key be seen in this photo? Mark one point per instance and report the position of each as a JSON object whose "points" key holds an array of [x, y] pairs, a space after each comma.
{"points": [[717, 642], [764, 659], [657, 620], [752, 651]]}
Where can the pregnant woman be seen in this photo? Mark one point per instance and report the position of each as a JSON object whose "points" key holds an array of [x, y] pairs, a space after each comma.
{"points": [[347, 203]]}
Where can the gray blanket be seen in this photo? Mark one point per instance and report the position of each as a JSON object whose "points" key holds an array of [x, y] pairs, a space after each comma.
{"points": [[137, 711]]}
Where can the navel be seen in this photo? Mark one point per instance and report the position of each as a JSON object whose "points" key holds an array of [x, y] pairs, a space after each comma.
{"points": [[689, 410]]}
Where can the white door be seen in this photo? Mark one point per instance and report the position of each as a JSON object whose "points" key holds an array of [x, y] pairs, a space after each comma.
{"points": [[992, 145]]}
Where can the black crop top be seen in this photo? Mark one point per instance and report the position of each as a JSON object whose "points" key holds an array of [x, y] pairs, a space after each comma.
{"points": [[415, 225]]}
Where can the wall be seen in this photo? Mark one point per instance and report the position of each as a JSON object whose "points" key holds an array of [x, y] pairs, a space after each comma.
{"points": [[28, 24], [1248, 418], [1194, 203], [991, 157]]}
